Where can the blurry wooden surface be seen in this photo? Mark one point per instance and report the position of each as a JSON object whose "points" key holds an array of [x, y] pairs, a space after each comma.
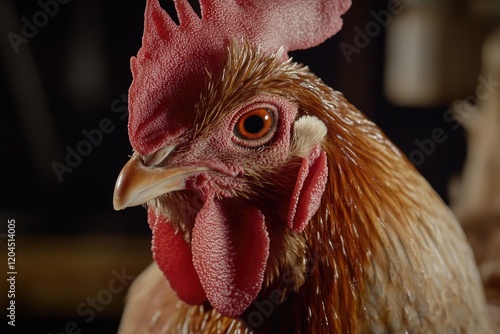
{"points": [[55, 275], [478, 190], [475, 197]]}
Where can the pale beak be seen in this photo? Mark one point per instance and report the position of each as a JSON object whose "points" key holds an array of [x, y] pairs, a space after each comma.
{"points": [[138, 183]]}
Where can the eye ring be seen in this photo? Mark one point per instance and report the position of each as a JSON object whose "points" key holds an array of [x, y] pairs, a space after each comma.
{"points": [[255, 124], [255, 127]]}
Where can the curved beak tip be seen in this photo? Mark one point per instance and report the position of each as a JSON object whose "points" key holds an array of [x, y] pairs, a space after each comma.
{"points": [[117, 203], [137, 183], [118, 200]]}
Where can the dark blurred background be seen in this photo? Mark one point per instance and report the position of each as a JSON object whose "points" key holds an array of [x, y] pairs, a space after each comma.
{"points": [[65, 76]]}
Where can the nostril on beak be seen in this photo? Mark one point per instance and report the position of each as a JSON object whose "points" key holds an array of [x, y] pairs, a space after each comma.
{"points": [[157, 158]]}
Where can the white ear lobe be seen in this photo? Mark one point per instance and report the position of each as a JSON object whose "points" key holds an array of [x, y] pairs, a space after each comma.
{"points": [[308, 131]]}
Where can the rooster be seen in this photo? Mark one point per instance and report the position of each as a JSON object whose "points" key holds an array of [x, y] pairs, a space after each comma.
{"points": [[275, 205]]}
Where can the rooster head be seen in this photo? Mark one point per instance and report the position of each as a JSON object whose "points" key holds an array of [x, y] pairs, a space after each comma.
{"points": [[226, 158]]}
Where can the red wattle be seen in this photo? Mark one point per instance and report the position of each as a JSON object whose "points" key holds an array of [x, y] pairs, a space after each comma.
{"points": [[173, 256], [230, 246]]}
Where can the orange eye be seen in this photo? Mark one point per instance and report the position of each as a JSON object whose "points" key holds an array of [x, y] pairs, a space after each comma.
{"points": [[255, 124]]}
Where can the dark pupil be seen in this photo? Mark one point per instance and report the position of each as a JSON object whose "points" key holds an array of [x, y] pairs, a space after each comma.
{"points": [[254, 124]]}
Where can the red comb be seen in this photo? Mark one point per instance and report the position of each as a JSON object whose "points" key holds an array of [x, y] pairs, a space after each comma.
{"points": [[171, 67]]}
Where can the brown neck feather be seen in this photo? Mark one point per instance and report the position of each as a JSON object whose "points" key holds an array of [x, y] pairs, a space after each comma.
{"points": [[339, 240]]}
